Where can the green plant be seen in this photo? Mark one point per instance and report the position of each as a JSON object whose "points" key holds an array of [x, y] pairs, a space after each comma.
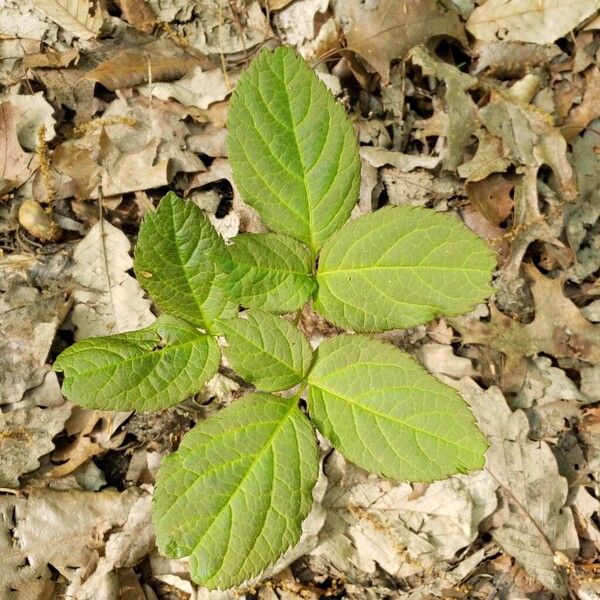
{"points": [[235, 493]]}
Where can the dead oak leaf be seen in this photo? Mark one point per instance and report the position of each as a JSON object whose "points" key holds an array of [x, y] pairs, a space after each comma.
{"points": [[16, 165], [530, 139], [535, 525], [461, 109], [589, 108], [382, 31], [558, 329]]}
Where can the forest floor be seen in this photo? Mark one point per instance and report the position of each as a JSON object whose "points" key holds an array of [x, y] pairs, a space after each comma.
{"points": [[488, 110]]}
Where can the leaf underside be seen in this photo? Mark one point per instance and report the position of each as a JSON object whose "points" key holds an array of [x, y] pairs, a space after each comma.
{"points": [[269, 271], [173, 263], [399, 267], [145, 370], [235, 493], [387, 415], [266, 350], [293, 150]]}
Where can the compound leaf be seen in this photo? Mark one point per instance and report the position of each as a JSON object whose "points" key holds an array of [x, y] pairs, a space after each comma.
{"points": [[269, 271], [235, 493], [399, 267], [149, 369], [293, 151], [388, 415], [266, 350], [173, 262]]}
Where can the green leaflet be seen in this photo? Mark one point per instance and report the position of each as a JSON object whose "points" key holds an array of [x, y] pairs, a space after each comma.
{"points": [[149, 369], [293, 150], [266, 350], [235, 493], [401, 266], [269, 271], [386, 414], [173, 262]]}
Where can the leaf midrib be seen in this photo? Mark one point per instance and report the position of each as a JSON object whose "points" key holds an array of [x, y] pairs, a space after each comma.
{"points": [[235, 491], [199, 304], [124, 361], [362, 268], [392, 419], [307, 195]]}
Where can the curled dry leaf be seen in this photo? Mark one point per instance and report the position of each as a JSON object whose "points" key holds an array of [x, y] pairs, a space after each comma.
{"points": [[16, 165], [296, 23], [589, 109], [489, 158], [138, 14], [92, 433], [25, 435], [33, 113], [51, 59], [492, 197], [382, 31], [198, 88], [158, 60]]}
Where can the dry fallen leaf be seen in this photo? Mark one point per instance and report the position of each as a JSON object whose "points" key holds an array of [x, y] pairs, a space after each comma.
{"points": [[108, 299], [32, 113], [16, 165], [93, 433], [125, 547], [198, 88], [378, 157], [537, 523], [589, 109], [217, 27], [512, 59], [138, 14], [489, 158], [460, 107], [536, 21], [382, 31], [28, 323], [296, 23], [374, 523], [558, 328], [158, 60], [25, 435], [56, 531], [492, 197], [74, 15], [51, 59], [582, 224], [531, 138], [418, 187]]}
